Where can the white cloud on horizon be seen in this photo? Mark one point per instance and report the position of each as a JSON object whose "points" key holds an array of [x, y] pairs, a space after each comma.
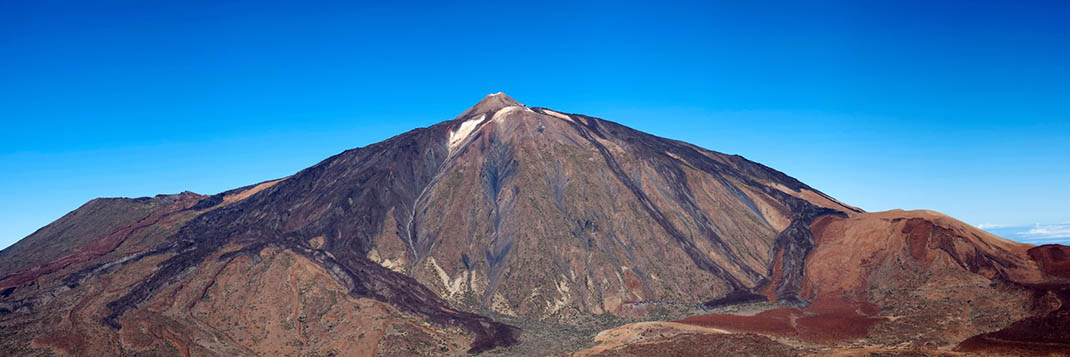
{"points": [[1043, 241], [1057, 233], [1046, 232]]}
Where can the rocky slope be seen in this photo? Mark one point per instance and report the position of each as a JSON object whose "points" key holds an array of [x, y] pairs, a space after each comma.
{"points": [[914, 282], [467, 235]]}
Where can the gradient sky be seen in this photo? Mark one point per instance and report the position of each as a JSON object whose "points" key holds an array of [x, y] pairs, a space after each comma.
{"points": [[962, 108]]}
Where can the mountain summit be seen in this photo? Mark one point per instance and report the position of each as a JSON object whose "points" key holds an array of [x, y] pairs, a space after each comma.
{"points": [[492, 103], [503, 227]]}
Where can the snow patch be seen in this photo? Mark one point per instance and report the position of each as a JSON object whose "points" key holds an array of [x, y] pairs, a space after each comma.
{"points": [[457, 136], [556, 114], [500, 115]]}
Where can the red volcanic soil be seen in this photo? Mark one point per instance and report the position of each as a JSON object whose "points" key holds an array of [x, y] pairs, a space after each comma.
{"points": [[1046, 332], [708, 345], [101, 246], [1053, 259], [918, 231], [827, 320]]}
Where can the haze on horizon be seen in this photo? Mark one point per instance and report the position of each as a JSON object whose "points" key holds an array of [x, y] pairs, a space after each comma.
{"points": [[911, 105]]}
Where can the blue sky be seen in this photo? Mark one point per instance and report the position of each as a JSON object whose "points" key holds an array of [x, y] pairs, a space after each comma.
{"points": [[962, 108]]}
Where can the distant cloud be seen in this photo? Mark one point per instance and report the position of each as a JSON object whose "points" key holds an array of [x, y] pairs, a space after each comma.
{"points": [[1058, 233], [1042, 231]]}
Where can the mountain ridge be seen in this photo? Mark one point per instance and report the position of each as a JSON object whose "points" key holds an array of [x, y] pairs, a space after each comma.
{"points": [[504, 212]]}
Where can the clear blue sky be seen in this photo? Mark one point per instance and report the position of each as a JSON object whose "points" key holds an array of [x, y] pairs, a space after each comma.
{"points": [[962, 108]]}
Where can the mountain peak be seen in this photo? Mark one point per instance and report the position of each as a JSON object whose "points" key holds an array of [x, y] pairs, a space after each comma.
{"points": [[443, 240], [491, 103]]}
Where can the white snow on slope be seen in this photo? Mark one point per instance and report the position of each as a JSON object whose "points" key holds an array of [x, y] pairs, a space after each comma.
{"points": [[556, 114], [501, 113], [457, 136]]}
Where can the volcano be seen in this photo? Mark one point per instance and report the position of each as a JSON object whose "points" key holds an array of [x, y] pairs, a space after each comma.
{"points": [[524, 231]]}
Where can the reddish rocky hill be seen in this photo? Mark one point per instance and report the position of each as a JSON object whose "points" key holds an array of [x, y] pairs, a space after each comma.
{"points": [[922, 281], [496, 230]]}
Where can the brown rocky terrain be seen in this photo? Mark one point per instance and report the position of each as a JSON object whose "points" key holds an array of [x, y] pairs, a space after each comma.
{"points": [[523, 230], [911, 282]]}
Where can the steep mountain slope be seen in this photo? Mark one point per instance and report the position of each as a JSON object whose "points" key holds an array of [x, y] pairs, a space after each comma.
{"points": [[540, 214], [96, 218], [427, 241], [917, 281]]}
